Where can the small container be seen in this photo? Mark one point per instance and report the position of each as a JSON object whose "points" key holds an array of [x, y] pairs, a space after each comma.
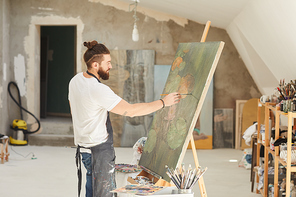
{"points": [[182, 191], [288, 105]]}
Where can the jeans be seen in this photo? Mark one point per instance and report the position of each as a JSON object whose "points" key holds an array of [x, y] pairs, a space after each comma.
{"points": [[86, 160]]}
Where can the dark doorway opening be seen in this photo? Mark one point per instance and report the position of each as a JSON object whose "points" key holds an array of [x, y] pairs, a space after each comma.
{"points": [[57, 67]]}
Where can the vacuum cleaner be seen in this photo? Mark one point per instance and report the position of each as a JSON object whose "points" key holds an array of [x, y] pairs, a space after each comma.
{"points": [[19, 126]]}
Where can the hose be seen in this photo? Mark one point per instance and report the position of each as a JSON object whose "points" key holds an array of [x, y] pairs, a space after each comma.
{"points": [[21, 107]]}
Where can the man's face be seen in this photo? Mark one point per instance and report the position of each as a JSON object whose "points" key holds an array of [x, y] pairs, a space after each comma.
{"points": [[104, 67]]}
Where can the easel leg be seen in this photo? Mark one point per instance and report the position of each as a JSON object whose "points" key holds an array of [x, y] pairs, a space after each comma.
{"points": [[2, 153], [201, 183]]}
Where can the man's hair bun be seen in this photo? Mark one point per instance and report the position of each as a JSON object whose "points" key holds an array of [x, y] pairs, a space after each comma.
{"points": [[91, 44]]}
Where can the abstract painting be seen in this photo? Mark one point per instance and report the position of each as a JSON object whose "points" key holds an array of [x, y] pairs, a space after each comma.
{"points": [[191, 74]]}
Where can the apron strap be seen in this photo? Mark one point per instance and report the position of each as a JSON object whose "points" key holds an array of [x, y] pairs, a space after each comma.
{"points": [[78, 166], [78, 155], [92, 75]]}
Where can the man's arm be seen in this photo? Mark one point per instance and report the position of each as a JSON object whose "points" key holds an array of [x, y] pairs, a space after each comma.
{"points": [[141, 109]]}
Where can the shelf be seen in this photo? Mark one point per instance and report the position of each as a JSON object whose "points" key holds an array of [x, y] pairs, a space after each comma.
{"points": [[293, 114], [271, 151], [277, 159], [282, 113], [271, 107], [281, 161], [293, 169]]}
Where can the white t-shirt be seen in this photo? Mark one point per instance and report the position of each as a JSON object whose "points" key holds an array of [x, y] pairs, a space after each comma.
{"points": [[90, 101]]}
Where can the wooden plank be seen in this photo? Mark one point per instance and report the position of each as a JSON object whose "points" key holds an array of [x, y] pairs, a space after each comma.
{"points": [[238, 122], [200, 181], [205, 33], [258, 142], [289, 147], [266, 120], [276, 165]]}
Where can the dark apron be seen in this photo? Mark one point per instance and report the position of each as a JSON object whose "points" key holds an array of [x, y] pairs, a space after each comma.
{"points": [[103, 164]]}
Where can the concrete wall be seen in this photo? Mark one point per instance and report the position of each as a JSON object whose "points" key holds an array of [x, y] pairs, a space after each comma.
{"points": [[113, 27]]}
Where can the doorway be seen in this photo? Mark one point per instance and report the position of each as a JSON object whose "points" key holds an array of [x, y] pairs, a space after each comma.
{"points": [[57, 67]]}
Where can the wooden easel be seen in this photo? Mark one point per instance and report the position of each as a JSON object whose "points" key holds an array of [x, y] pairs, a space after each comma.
{"points": [[201, 183], [161, 182]]}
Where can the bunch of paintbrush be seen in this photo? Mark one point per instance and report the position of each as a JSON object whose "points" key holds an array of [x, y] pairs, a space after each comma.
{"points": [[287, 91], [185, 179]]}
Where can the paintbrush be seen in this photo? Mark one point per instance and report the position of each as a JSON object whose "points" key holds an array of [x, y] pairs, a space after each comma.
{"points": [[168, 169], [178, 94], [191, 178], [197, 177], [183, 168], [188, 175], [281, 93], [177, 176], [179, 173], [190, 94], [194, 176], [173, 179], [171, 175], [183, 175]]}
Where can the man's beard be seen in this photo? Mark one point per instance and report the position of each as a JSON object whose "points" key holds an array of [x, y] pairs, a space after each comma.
{"points": [[103, 74]]}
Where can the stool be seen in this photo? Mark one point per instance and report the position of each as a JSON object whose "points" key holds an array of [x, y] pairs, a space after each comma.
{"points": [[4, 149]]}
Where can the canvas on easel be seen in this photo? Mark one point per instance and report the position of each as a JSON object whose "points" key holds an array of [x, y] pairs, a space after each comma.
{"points": [[191, 73]]}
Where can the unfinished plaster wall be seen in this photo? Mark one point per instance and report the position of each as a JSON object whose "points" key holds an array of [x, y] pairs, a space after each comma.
{"points": [[4, 64], [113, 27]]}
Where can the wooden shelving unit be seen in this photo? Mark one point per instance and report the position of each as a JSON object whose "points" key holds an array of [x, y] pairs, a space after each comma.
{"points": [[275, 153]]}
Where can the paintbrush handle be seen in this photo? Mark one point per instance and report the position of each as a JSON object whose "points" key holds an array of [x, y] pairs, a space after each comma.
{"points": [[168, 94], [197, 177], [174, 181], [281, 93]]}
